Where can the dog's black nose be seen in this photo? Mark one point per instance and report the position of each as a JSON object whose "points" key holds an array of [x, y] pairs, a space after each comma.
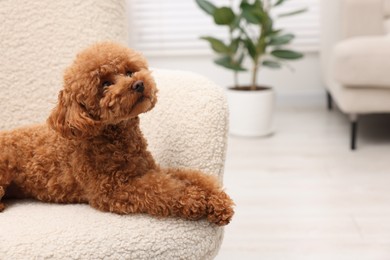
{"points": [[138, 86]]}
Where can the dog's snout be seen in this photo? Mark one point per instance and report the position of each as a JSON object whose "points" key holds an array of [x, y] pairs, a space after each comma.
{"points": [[138, 86]]}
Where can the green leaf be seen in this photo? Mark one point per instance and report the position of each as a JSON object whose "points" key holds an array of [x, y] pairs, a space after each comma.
{"points": [[258, 5], [236, 22], [217, 45], [275, 32], [234, 45], [272, 64], [280, 40], [227, 62], [250, 17], [269, 24], [241, 58], [250, 46], [279, 2], [287, 54], [206, 6], [223, 16], [293, 12], [252, 14]]}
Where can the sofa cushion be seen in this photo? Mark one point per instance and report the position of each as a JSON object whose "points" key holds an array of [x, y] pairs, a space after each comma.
{"points": [[362, 62]]}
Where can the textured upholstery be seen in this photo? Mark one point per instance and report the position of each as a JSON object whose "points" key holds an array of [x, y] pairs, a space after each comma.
{"points": [[187, 128], [38, 40]]}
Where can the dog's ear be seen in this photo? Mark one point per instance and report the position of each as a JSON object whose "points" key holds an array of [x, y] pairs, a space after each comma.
{"points": [[70, 119]]}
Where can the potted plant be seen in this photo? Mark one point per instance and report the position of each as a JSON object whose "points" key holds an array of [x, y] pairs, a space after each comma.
{"points": [[251, 34]]}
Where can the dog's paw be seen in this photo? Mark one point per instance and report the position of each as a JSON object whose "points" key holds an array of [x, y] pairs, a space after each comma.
{"points": [[2, 207], [220, 209], [193, 204]]}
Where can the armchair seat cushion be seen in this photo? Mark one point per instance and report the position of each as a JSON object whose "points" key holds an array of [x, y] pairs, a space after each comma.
{"points": [[362, 62], [35, 230]]}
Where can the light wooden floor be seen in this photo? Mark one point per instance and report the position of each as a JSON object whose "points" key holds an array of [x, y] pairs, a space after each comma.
{"points": [[302, 194]]}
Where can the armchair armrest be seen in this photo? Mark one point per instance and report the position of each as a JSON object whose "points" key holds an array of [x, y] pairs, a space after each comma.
{"points": [[188, 127], [362, 18]]}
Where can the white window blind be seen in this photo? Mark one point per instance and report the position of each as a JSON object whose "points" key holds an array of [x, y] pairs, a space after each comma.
{"points": [[173, 27]]}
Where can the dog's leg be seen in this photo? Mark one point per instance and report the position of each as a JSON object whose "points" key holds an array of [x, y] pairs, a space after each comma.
{"points": [[190, 195], [152, 193], [219, 206], [2, 193], [5, 180]]}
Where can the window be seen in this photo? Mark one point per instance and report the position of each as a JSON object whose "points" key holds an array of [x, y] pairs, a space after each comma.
{"points": [[173, 27]]}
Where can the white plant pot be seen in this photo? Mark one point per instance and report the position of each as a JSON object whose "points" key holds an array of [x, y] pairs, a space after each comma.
{"points": [[251, 112]]}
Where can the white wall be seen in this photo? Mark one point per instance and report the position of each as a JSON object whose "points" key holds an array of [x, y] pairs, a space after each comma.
{"points": [[305, 78]]}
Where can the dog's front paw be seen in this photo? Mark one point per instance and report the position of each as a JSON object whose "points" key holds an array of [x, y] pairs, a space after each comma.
{"points": [[193, 204], [220, 209]]}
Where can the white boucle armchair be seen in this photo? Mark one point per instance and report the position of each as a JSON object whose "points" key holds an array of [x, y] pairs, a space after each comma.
{"points": [[187, 128], [355, 56]]}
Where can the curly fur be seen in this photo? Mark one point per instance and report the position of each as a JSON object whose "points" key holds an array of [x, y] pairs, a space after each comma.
{"points": [[92, 150]]}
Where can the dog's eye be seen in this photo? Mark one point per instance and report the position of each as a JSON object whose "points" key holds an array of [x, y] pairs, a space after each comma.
{"points": [[129, 73], [106, 84]]}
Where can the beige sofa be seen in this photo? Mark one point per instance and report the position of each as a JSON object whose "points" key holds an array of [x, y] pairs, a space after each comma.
{"points": [[355, 56]]}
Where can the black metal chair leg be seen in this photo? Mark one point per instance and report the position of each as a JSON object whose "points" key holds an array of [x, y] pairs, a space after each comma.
{"points": [[329, 100], [354, 128]]}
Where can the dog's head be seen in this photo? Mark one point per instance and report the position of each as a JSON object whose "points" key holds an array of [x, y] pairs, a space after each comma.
{"points": [[106, 84]]}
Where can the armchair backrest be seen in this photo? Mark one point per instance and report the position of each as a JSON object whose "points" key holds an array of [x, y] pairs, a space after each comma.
{"points": [[38, 40], [362, 18]]}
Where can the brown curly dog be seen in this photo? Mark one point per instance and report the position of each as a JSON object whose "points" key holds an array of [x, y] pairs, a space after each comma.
{"points": [[92, 150]]}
